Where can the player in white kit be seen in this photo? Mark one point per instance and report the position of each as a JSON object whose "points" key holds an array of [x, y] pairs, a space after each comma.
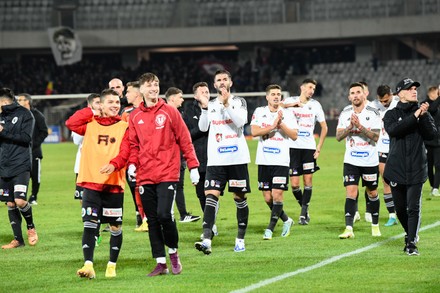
{"points": [[274, 126], [385, 101], [228, 156], [303, 151], [360, 126]]}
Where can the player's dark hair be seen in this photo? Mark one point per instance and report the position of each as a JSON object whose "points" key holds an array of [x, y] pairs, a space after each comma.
{"points": [[172, 91], [383, 90], [198, 84], [7, 93]]}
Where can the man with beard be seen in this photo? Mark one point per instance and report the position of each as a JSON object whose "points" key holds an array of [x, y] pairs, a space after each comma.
{"points": [[228, 156], [359, 125]]}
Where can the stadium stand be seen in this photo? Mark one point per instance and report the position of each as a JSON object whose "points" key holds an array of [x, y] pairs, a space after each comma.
{"points": [[334, 63], [25, 15]]}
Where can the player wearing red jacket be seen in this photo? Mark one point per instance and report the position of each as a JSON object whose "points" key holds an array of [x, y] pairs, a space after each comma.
{"points": [[105, 139], [157, 135]]}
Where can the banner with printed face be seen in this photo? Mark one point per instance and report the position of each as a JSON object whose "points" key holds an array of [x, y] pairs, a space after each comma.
{"points": [[65, 44]]}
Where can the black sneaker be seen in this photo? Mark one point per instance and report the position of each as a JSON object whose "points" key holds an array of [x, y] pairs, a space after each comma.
{"points": [[33, 200], [189, 218], [138, 221], [411, 249], [405, 249], [303, 220]]}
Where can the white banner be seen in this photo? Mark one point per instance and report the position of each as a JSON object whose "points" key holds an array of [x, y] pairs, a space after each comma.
{"points": [[66, 45]]}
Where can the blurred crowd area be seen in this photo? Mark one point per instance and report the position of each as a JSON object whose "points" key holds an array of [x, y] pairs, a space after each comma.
{"points": [[334, 67], [250, 72]]}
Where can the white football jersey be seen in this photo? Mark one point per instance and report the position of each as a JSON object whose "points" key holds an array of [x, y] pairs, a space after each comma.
{"points": [[226, 141], [359, 150], [383, 144], [306, 115], [77, 139], [273, 148]]}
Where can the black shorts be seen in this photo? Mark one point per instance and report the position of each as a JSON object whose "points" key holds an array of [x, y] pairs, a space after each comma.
{"points": [[383, 157], [78, 190], [302, 162], [273, 177], [237, 177], [370, 176], [14, 187], [103, 206]]}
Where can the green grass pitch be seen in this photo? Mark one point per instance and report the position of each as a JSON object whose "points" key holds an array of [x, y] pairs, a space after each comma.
{"points": [[51, 265]]}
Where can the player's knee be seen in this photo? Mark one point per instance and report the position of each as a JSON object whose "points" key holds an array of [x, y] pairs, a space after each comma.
{"points": [[20, 202], [372, 193], [115, 229], [239, 196], [11, 204], [164, 217]]}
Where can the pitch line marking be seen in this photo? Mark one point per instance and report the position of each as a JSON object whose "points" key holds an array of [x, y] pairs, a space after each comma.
{"points": [[325, 262]]}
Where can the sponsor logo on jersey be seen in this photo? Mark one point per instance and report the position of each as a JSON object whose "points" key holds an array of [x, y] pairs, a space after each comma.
{"points": [[20, 188], [112, 212], [222, 122], [304, 133], [385, 141], [279, 180], [308, 166], [227, 149], [271, 150], [369, 177], [83, 212], [303, 115], [89, 211], [237, 183], [359, 154]]}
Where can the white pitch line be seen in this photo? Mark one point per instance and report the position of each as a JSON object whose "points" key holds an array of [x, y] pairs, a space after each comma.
{"points": [[325, 262]]}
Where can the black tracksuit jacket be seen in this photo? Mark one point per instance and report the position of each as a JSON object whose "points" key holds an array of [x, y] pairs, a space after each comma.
{"points": [[199, 138], [406, 163], [15, 140], [40, 133]]}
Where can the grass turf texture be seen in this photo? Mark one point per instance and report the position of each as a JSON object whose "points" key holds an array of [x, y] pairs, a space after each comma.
{"points": [[51, 265]]}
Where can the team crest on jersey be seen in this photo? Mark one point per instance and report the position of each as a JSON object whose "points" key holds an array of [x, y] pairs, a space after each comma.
{"points": [[218, 137], [160, 120], [14, 120], [141, 189]]}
